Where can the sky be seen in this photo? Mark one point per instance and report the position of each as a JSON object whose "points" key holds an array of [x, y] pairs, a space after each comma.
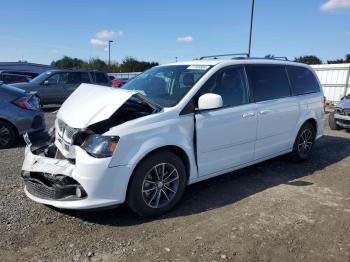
{"points": [[160, 30]]}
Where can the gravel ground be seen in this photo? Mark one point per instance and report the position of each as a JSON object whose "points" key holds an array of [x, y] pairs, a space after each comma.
{"points": [[273, 211]]}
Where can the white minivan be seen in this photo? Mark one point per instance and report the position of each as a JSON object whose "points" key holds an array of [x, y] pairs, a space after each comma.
{"points": [[172, 126]]}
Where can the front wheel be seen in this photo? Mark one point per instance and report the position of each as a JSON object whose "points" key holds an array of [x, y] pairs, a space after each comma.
{"points": [[157, 184], [304, 143]]}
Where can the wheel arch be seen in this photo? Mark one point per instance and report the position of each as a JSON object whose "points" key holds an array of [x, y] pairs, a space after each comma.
{"points": [[181, 153]]}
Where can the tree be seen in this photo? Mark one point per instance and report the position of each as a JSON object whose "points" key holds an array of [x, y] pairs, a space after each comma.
{"points": [[129, 64], [308, 59], [68, 62], [340, 61]]}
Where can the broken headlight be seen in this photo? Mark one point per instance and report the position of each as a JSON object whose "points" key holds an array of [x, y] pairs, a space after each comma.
{"points": [[100, 146]]}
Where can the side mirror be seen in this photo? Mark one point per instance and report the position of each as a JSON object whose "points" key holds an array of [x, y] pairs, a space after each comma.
{"points": [[46, 83], [209, 101]]}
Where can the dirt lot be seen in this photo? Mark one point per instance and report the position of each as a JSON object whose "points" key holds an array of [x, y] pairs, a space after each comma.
{"points": [[273, 211]]}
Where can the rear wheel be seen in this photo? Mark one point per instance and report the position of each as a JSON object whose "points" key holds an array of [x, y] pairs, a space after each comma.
{"points": [[7, 135], [332, 123], [157, 185], [304, 143]]}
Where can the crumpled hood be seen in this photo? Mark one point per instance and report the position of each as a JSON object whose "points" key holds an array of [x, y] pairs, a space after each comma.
{"points": [[345, 103], [90, 104]]}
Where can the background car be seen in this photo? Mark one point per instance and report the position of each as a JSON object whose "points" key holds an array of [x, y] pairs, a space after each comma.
{"points": [[20, 113], [119, 82], [340, 118], [55, 86], [9, 78]]}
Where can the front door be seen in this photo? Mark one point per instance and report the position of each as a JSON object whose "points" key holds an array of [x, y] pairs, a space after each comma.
{"points": [[226, 136]]}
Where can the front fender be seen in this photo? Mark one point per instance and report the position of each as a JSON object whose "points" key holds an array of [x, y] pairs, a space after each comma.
{"points": [[132, 148]]}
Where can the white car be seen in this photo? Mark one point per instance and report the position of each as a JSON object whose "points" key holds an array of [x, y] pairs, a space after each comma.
{"points": [[172, 126]]}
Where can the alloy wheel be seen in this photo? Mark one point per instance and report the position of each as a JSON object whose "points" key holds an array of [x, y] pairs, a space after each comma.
{"points": [[160, 185], [305, 142]]}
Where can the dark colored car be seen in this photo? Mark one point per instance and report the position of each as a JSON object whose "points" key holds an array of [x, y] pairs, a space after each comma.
{"points": [[20, 113], [9, 78], [55, 86]]}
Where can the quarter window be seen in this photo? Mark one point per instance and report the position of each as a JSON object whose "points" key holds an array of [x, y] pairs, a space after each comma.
{"points": [[268, 82], [303, 80]]}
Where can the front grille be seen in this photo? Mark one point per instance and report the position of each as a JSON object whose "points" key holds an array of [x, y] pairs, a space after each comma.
{"points": [[52, 187], [37, 122]]}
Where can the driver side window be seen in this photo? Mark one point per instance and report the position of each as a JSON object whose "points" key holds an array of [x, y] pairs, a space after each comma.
{"points": [[230, 84]]}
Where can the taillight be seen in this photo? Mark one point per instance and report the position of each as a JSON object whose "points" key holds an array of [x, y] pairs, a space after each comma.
{"points": [[28, 102]]}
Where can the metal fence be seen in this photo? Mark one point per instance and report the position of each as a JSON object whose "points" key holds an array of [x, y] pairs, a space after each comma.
{"points": [[335, 80]]}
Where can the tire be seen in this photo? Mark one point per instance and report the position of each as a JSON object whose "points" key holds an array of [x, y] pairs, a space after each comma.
{"points": [[7, 135], [304, 143], [332, 124], [148, 194]]}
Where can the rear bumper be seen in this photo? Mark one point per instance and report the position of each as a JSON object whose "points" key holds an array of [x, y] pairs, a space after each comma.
{"points": [[102, 186]]}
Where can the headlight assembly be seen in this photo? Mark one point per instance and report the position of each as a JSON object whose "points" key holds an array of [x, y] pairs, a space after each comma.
{"points": [[100, 146]]}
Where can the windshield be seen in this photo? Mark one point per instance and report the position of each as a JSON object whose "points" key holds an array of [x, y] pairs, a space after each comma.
{"points": [[167, 85], [40, 78]]}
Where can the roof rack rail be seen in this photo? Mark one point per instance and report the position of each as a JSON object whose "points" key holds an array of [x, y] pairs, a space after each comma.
{"points": [[280, 58], [246, 55]]}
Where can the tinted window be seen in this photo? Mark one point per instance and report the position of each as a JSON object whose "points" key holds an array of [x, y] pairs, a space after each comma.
{"points": [[303, 80], [101, 78], [268, 82], [230, 84], [78, 78], [8, 79]]}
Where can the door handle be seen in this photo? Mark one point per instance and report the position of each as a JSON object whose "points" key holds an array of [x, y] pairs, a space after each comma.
{"points": [[265, 112], [247, 115]]}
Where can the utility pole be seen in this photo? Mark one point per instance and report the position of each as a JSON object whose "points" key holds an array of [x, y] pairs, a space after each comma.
{"points": [[109, 53], [251, 28]]}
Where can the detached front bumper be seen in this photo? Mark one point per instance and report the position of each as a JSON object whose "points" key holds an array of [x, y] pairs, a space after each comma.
{"points": [[85, 183]]}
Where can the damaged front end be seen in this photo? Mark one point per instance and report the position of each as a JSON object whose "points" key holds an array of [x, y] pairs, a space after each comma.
{"points": [[48, 175], [54, 173]]}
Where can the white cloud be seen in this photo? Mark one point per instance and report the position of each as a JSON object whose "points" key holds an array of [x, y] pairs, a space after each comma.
{"points": [[105, 49], [102, 37], [186, 39], [108, 34], [54, 51], [332, 5], [98, 42]]}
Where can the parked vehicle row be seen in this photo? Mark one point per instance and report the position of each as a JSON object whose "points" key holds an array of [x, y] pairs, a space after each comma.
{"points": [[172, 126], [55, 86], [20, 113]]}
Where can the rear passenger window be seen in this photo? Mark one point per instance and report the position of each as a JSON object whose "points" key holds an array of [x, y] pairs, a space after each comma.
{"points": [[78, 78], [303, 80], [268, 82]]}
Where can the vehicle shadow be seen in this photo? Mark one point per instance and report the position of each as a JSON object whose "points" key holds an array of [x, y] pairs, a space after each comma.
{"points": [[235, 186]]}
